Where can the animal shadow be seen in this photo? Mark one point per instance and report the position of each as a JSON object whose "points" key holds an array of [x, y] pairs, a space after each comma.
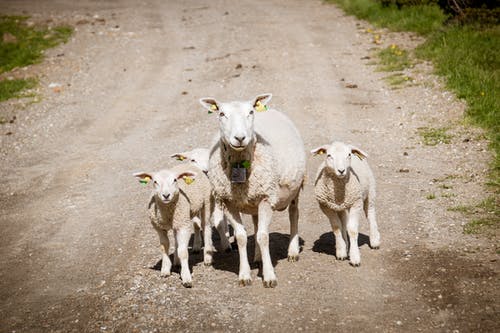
{"points": [[326, 243], [278, 247]]}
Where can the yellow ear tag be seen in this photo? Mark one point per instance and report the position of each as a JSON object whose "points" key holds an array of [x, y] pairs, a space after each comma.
{"points": [[180, 158], [145, 180], [188, 180], [213, 108], [321, 152], [259, 107]]}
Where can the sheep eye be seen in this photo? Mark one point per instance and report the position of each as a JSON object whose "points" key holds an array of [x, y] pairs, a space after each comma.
{"points": [[349, 155], [251, 112], [222, 114], [175, 180], [329, 156], [193, 161], [155, 182]]}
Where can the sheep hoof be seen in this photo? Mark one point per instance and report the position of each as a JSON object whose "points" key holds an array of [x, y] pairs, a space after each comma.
{"points": [[341, 258], [207, 264], [187, 284], [293, 258], [270, 284], [164, 274], [357, 264], [245, 282], [375, 247]]}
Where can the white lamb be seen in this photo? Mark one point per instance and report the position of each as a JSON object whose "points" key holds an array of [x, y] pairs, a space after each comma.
{"points": [[344, 187], [257, 167], [199, 157], [173, 205]]}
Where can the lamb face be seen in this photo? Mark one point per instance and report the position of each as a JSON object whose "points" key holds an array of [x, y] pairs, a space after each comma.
{"points": [[338, 157], [199, 157], [165, 184]]}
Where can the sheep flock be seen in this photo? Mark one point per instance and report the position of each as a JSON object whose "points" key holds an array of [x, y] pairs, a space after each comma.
{"points": [[255, 166]]}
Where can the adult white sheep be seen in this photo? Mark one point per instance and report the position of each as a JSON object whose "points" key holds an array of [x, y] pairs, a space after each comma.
{"points": [[199, 157], [173, 206], [257, 167], [344, 187]]}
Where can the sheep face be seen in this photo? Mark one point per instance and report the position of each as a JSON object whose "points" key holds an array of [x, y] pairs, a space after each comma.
{"points": [[338, 157], [236, 119], [199, 157], [165, 183]]}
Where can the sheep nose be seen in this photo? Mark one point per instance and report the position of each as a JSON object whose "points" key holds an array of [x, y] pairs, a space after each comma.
{"points": [[341, 171], [166, 196], [240, 138]]}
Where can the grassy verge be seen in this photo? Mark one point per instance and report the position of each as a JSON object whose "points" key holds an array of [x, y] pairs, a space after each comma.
{"points": [[22, 45], [466, 56], [422, 19]]}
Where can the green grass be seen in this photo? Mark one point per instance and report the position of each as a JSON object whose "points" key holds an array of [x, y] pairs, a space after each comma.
{"points": [[30, 42], [434, 136], [26, 47], [421, 19], [393, 59], [430, 196], [14, 88], [469, 61], [485, 216], [397, 80]]}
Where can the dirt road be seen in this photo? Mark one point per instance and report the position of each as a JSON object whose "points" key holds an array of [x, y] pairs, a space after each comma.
{"points": [[77, 253]]}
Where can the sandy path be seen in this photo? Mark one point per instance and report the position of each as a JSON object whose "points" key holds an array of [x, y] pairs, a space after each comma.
{"points": [[77, 252]]}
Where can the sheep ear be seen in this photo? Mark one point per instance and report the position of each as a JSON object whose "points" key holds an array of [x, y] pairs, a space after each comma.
{"points": [[210, 104], [359, 153], [319, 151], [180, 156], [187, 176], [262, 100], [144, 177]]}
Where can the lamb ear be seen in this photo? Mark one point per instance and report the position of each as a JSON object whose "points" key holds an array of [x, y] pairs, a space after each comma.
{"points": [[262, 99], [188, 177], [144, 177], [180, 156], [210, 104], [319, 151], [358, 152]]}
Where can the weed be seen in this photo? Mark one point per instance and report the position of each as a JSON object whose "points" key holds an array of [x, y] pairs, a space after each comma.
{"points": [[14, 88], [397, 80], [430, 196], [393, 59], [476, 226], [433, 136]]}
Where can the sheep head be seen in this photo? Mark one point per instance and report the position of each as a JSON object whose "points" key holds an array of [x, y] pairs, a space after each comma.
{"points": [[236, 119], [198, 157], [165, 184], [338, 157]]}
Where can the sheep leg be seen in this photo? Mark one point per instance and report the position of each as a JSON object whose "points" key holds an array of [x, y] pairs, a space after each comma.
{"points": [[166, 264], [340, 236], [220, 224], [352, 230], [208, 249], [257, 256], [374, 234], [241, 238], [293, 247], [177, 262], [265, 215], [343, 219], [197, 238], [183, 236]]}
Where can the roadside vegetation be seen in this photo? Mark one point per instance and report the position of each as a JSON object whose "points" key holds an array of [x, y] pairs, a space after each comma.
{"points": [[463, 43], [23, 44]]}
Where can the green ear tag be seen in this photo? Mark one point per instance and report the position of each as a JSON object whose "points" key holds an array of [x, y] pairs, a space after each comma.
{"points": [[245, 164], [144, 181]]}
